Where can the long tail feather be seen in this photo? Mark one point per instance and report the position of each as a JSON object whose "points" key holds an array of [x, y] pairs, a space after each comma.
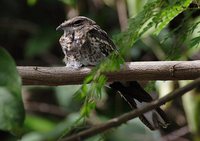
{"points": [[136, 97]]}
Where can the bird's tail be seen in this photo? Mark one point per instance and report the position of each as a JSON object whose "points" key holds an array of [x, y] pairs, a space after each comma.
{"points": [[137, 97]]}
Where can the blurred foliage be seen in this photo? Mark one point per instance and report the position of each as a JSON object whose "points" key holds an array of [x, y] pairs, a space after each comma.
{"points": [[34, 123], [70, 2], [41, 42], [192, 111], [134, 7], [12, 110], [140, 133], [157, 30], [31, 2], [156, 14]]}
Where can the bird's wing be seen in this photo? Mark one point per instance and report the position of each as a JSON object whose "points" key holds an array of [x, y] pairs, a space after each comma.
{"points": [[99, 36], [133, 90]]}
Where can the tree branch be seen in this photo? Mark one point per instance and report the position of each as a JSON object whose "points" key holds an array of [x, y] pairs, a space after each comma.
{"points": [[133, 114], [155, 70]]}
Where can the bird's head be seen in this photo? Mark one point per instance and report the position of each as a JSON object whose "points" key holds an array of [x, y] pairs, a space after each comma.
{"points": [[75, 23]]}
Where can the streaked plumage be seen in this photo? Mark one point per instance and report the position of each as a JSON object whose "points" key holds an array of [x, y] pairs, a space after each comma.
{"points": [[84, 42]]}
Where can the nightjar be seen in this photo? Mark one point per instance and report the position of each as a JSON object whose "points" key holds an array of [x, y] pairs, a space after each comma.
{"points": [[84, 43]]}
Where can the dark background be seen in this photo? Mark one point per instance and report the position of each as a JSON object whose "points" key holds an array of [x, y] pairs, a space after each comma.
{"points": [[27, 32]]}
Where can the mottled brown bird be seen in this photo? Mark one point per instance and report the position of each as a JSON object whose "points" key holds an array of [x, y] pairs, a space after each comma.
{"points": [[84, 43]]}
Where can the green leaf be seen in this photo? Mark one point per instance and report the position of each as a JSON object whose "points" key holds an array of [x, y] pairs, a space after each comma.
{"points": [[11, 105], [70, 2], [39, 124], [168, 13], [195, 41], [87, 108], [31, 2], [156, 14]]}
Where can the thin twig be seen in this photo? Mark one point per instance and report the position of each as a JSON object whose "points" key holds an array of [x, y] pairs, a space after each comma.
{"points": [[155, 70], [131, 115]]}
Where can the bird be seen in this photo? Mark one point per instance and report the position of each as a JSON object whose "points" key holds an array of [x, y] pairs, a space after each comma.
{"points": [[84, 43]]}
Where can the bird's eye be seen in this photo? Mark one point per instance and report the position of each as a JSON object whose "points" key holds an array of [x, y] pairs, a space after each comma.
{"points": [[78, 22]]}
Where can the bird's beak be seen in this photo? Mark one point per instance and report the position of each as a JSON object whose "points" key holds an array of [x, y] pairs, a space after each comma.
{"points": [[60, 27]]}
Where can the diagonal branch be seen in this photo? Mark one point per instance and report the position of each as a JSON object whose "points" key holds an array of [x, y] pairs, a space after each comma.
{"points": [[155, 70], [133, 114]]}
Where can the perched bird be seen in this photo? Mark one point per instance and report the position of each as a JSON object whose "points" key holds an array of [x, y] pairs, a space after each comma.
{"points": [[84, 43]]}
